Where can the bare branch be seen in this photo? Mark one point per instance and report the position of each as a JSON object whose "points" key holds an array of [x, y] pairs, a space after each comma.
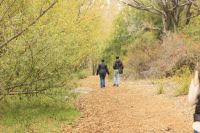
{"points": [[141, 6], [180, 5], [82, 13], [31, 24], [169, 10], [150, 27], [8, 9], [28, 92], [193, 16]]}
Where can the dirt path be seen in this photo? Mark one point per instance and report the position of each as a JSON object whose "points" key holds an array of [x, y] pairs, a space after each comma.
{"points": [[134, 107]]}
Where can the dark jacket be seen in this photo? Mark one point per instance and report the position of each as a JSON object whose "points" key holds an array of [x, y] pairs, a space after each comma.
{"points": [[118, 64], [102, 69], [197, 111]]}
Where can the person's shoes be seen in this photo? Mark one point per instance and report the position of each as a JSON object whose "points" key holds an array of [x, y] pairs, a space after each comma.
{"points": [[114, 84], [117, 85]]}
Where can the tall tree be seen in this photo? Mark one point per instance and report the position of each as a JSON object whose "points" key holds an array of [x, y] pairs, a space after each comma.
{"points": [[174, 13]]}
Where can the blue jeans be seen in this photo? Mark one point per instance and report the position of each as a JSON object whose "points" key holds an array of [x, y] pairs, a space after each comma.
{"points": [[116, 79], [195, 131], [102, 80]]}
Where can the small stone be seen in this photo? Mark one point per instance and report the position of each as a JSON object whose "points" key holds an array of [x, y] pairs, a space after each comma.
{"points": [[168, 129]]}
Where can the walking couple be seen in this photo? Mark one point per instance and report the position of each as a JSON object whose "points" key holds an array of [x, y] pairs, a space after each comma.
{"points": [[102, 70]]}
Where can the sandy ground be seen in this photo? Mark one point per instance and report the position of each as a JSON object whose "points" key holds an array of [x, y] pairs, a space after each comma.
{"points": [[134, 107]]}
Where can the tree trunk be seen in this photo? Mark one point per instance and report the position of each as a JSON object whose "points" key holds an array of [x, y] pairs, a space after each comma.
{"points": [[188, 14], [94, 69], [166, 23]]}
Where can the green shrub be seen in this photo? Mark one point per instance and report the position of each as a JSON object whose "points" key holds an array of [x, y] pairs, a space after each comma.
{"points": [[183, 89], [182, 78], [80, 74], [160, 89]]}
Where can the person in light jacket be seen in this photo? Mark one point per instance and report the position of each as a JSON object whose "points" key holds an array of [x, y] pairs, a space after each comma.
{"points": [[118, 70], [194, 99]]}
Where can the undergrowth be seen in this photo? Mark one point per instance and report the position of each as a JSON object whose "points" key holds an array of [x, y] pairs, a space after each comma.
{"points": [[182, 78], [160, 89], [38, 114]]}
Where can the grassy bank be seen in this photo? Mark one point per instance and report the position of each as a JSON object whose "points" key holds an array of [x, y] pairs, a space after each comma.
{"points": [[38, 114]]}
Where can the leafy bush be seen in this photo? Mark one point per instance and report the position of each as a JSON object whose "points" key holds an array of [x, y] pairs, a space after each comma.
{"points": [[160, 89], [141, 52], [183, 78], [47, 54], [147, 53], [164, 58], [81, 74], [183, 90], [130, 28], [193, 29]]}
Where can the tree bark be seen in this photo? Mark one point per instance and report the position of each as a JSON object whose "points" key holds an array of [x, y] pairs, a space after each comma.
{"points": [[166, 23], [188, 14]]}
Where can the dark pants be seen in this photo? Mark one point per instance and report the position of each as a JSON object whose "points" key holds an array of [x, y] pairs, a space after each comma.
{"points": [[195, 131], [102, 80]]}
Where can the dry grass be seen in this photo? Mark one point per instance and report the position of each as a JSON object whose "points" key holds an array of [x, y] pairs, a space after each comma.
{"points": [[160, 89]]}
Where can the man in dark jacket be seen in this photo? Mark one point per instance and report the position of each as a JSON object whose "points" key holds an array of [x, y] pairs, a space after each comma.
{"points": [[102, 70], [118, 69]]}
